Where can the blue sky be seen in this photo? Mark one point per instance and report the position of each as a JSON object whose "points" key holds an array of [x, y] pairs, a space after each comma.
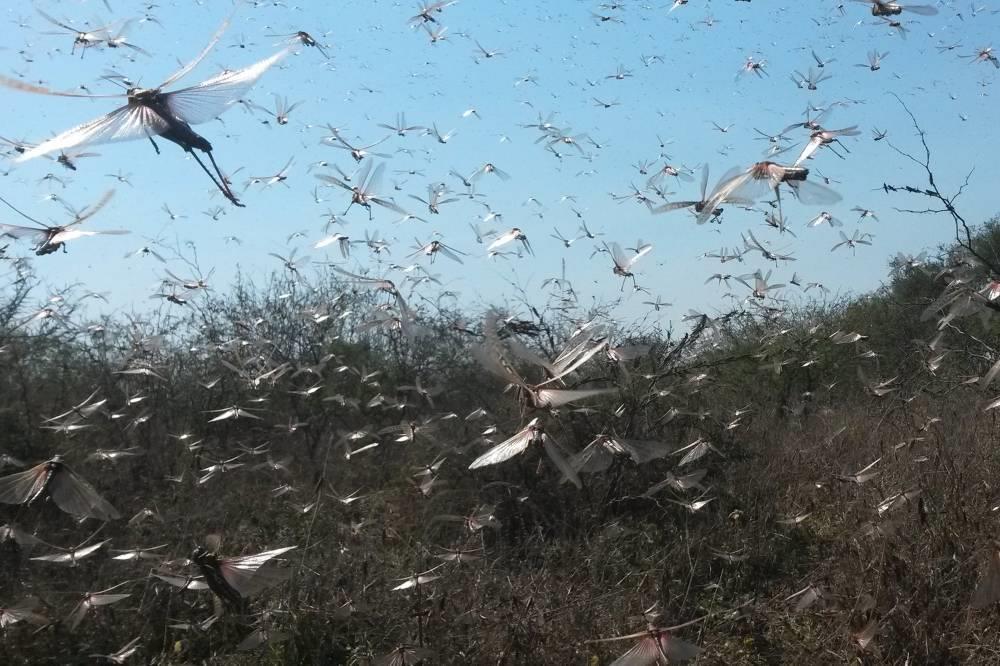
{"points": [[379, 66]]}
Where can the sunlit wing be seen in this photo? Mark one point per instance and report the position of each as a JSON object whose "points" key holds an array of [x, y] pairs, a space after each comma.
{"points": [[183, 582], [183, 71], [126, 123], [580, 360], [71, 555], [251, 574], [811, 147], [210, 98], [502, 240], [575, 347], [644, 653], [658, 649], [558, 397], [73, 234], [504, 450]]}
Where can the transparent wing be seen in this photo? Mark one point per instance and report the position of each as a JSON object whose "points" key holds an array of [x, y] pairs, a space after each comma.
{"points": [[504, 450], [643, 451], [15, 231], [77, 497], [558, 397], [17, 84], [386, 203], [208, 99], [556, 456], [673, 205], [594, 458], [183, 71], [643, 653], [123, 124], [22, 611], [988, 590], [23, 486], [335, 181], [251, 574], [488, 357], [618, 255], [812, 193], [361, 177]]}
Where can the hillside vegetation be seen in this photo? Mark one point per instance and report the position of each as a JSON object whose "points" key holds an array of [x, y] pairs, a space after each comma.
{"points": [[821, 488]]}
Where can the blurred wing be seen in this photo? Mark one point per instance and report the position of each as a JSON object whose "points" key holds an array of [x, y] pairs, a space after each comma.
{"points": [[558, 397], [643, 653], [560, 462], [618, 255], [207, 100], [22, 611], [593, 459], [676, 650], [23, 486], [77, 497], [373, 184], [489, 358], [643, 451], [673, 205], [123, 124], [386, 203], [15, 231], [16, 84], [502, 240], [183, 71], [107, 599], [812, 193], [504, 451], [251, 574], [577, 362], [521, 351], [988, 590], [10, 532], [183, 582], [811, 147], [73, 234]]}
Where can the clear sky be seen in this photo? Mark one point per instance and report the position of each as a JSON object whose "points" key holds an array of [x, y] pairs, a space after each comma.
{"points": [[681, 78]]}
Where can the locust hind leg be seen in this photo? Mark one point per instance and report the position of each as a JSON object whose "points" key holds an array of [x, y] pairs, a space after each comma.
{"points": [[219, 184], [225, 185]]}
